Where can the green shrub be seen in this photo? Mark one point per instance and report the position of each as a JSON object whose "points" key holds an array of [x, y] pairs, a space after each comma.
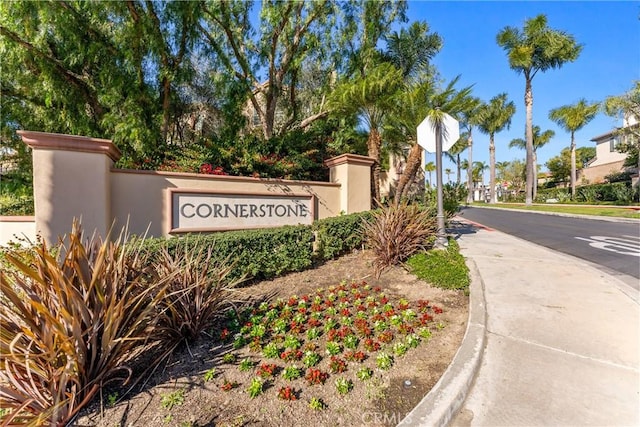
{"points": [[617, 192], [340, 234], [256, 254], [452, 196], [267, 253], [394, 233], [442, 268]]}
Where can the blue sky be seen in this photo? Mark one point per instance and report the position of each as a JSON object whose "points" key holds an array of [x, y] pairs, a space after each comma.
{"points": [[608, 65]]}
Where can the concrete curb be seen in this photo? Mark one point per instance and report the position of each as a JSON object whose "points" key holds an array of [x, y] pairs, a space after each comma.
{"points": [[440, 405], [568, 215]]}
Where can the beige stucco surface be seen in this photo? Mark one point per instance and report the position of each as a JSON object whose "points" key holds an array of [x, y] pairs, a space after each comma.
{"points": [[596, 174], [67, 185], [141, 198], [74, 178], [17, 230]]}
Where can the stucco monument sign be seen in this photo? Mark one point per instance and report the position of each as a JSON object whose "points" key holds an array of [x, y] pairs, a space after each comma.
{"points": [[74, 177], [193, 211]]}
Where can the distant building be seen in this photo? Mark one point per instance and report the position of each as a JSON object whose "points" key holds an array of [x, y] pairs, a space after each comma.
{"points": [[608, 159]]}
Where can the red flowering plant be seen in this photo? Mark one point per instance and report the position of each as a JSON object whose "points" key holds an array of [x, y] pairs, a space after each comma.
{"points": [[315, 376], [337, 365], [228, 385], [208, 169], [355, 356], [267, 370], [370, 345], [287, 393], [291, 355]]}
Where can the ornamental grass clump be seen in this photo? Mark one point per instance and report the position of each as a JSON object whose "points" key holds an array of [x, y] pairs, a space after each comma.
{"points": [[397, 232], [71, 325], [198, 293]]}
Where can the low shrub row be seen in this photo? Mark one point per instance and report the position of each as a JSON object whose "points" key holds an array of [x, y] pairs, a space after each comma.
{"points": [[267, 253], [616, 192]]}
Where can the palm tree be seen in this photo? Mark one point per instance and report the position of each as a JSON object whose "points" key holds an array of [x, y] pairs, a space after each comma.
{"points": [[495, 116], [425, 100], [448, 172], [455, 151], [371, 97], [572, 118], [539, 139], [536, 48], [429, 168], [410, 51], [468, 119], [478, 171], [501, 169]]}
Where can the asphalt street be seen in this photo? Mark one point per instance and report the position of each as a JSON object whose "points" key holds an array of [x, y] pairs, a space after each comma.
{"points": [[614, 246]]}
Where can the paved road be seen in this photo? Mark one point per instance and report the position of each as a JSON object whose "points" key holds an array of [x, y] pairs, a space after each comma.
{"points": [[614, 246]]}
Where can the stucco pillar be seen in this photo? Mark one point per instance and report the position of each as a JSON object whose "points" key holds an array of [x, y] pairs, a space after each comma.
{"points": [[353, 173], [70, 180]]}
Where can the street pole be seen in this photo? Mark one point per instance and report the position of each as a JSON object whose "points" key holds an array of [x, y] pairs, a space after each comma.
{"points": [[441, 236]]}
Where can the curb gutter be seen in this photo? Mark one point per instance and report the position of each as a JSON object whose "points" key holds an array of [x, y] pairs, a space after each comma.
{"points": [[441, 404]]}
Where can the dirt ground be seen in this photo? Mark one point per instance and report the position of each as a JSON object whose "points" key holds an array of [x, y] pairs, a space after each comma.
{"points": [[383, 400]]}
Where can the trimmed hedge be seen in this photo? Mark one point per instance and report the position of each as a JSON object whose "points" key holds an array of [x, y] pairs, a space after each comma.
{"points": [[616, 192], [339, 234], [271, 252]]}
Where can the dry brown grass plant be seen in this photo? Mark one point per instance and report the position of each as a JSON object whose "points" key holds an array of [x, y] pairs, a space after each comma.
{"points": [[397, 232], [69, 326]]}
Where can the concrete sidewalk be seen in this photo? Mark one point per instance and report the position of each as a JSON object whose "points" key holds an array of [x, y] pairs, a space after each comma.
{"points": [[562, 339]]}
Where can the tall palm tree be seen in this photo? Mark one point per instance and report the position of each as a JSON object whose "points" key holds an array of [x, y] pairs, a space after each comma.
{"points": [[455, 151], [429, 168], [371, 97], [501, 169], [536, 48], [410, 51], [425, 100], [448, 171], [478, 171], [539, 140], [495, 116], [468, 119], [572, 118]]}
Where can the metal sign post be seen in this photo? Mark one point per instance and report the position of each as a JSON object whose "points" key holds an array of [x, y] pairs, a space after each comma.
{"points": [[438, 137], [441, 235]]}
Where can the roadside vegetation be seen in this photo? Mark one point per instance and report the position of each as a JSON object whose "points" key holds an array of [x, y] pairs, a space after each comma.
{"points": [[603, 210], [75, 322]]}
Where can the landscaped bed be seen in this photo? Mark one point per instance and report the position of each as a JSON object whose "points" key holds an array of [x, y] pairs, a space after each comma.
{"points": [[327, 346]]}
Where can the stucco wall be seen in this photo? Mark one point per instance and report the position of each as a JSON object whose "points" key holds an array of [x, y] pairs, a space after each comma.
{"points": [[596, 174], [16, 229], [142, 196], [605, 156]]}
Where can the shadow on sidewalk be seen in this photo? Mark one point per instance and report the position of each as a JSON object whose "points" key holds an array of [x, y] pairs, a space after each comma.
{"points": [[458, 228]]}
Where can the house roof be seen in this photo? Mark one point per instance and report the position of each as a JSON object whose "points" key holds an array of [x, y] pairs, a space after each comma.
{"points": [[611, 133]]}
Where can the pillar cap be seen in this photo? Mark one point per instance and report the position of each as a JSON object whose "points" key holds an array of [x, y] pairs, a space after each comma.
{"points": [[58, 141], [352, 159]]}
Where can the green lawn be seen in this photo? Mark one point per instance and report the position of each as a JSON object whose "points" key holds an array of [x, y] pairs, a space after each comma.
{"points": [[605, 210]]}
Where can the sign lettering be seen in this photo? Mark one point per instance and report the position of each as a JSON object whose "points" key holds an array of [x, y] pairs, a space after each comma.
{"points": [[218, 211]]}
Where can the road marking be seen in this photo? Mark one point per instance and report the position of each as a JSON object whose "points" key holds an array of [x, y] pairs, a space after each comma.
{"points": [[625, 245]]}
